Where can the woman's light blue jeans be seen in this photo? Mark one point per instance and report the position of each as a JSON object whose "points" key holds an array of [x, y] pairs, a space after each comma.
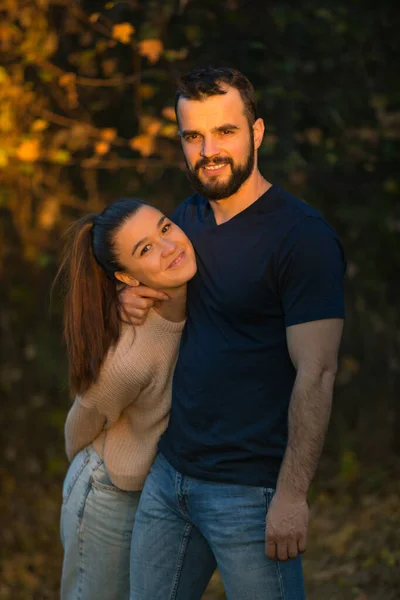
{"points": [[96, 531], [182, 523]]}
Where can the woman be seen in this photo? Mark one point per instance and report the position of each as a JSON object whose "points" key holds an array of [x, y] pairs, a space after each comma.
{"points": [[121, 377]]}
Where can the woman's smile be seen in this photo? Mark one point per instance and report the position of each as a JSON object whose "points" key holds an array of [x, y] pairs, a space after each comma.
{"points": [[178, 260]]}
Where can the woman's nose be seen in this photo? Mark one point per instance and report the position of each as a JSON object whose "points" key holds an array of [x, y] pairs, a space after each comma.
{"points": [[169, 247]]}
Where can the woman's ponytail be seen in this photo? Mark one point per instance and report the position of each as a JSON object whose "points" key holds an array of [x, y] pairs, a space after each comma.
{"points": [[91, 319]]}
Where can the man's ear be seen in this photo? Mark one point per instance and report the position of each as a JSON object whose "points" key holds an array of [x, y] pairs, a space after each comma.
{"points": [[258, 132], [126, 279]]}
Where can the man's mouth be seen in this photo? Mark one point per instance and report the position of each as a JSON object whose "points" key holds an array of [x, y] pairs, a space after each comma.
{"points": [[217, 167], [178, 260]]}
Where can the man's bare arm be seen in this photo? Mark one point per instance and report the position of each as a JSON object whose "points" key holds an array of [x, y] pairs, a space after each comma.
{"points": [[136, 301], [313, 348]]}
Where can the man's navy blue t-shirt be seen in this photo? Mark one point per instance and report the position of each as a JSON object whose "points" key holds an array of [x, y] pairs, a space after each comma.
{"points": [[275, 264]]}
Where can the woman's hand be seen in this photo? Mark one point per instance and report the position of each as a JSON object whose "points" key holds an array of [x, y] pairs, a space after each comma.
{"points": [[136, 301]]}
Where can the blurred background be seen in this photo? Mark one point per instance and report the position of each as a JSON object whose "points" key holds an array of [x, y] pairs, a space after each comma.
{"points": [[86, 96]]}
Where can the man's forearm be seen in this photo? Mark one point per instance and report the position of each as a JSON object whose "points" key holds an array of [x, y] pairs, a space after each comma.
{"points": [[309, 413]]}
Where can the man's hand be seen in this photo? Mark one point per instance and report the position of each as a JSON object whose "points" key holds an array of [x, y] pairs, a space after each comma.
{"points": [[286, 527], [135, 303]]}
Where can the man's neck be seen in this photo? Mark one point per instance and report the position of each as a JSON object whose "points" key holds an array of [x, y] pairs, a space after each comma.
{"points": [[250, 191]]}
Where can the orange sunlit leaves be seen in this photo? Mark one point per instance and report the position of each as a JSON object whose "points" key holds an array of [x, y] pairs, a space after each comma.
{"points": [[313, 136], [168, 112], [147, 91], [143, 143], [101, 148], [67, 79], [151, 125], [3, 158], [61, 156], [108, 134], [151, 49], [48, 213], [39, 125], [170, 130], [28, 151], [350, 364], [123, 32]]}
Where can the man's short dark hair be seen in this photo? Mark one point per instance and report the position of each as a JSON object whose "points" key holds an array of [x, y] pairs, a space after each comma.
{"points": [[202, 83]]}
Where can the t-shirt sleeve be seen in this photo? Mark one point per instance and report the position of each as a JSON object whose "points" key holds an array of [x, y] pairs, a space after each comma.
{"points": [[311, 266]]}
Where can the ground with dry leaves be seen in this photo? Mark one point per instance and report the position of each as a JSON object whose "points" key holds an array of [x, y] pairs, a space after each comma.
{"points": [[354, 549]]}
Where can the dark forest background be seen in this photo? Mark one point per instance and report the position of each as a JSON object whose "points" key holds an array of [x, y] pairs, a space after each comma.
{"points": [[86, 96]]}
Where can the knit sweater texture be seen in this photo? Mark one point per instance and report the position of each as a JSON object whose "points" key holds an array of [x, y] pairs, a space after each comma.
{"points": [[126, 410]]}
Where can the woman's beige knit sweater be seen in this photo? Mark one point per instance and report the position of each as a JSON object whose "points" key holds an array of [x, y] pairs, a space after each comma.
{"points": [[126, 410]]}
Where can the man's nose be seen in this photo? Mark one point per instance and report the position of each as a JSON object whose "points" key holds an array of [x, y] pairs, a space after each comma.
{"points": [[169, 247], [209, 147]]}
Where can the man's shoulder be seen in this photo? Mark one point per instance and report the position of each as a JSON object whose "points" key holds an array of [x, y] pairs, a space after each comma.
{"points": [[295, 207], [188, 209]]}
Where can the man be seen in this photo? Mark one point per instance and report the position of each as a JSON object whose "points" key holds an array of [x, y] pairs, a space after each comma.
{"points": [[253, 384]]}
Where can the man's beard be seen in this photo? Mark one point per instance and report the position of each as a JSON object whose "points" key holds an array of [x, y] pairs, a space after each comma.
{"points": [[219, 191]]}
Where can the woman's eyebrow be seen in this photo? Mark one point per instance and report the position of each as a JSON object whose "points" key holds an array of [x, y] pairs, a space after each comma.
{"points": [[143, 240]]}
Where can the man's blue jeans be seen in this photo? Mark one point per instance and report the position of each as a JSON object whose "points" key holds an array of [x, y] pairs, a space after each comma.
{"points": [[183, 523]]}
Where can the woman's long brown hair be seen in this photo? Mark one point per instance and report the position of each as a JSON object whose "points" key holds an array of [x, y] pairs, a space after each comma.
{"points": [[91, 319], [91, 308]]}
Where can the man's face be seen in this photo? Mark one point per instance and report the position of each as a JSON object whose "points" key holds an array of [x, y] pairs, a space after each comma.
{"points": [[217, 142]]}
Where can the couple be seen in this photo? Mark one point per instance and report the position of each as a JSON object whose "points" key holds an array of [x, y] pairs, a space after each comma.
{"points": [[219, 477]]}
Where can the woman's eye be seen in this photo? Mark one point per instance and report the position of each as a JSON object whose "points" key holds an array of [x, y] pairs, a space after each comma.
{"points": [[145, 249], [166, 227]]}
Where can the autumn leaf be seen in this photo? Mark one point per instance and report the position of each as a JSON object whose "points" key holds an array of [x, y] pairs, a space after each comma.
{"points": [[314, 136], [151, 125], [151, 49], [67, 79], [28, 151], [101, 148], [108, 134], [48, 214], [143, 143], [170, 130], [39, 125], [174, 55], [60, 156], [3, 158], [146, 91], [122, 32], [168, 112], [270, 140], [350, 364]]}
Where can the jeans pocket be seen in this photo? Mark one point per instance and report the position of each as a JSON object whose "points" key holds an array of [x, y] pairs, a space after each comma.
{"points": [[269, 494], [75, 469], [101, 479]]}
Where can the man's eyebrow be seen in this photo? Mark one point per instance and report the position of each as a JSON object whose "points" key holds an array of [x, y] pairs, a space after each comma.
{"points": [[143, 240], [225, 126], [188, 132]]}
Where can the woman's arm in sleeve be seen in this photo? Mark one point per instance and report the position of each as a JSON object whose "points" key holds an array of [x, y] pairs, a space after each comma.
{"points": [[118, 385], [82, 426]]}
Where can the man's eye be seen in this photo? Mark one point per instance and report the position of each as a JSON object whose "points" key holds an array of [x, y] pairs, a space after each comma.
{"points": [[145, 249], [166, 227], [227, 131], [191, 138]]}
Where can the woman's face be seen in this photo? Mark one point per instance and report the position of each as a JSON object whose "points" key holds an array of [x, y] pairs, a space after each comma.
{"points": [[154, 251]]}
